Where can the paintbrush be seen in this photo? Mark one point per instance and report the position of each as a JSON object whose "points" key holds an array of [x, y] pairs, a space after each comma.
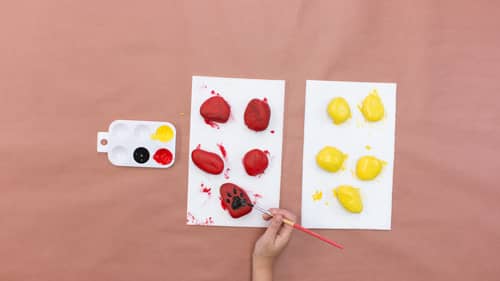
{"points": [[300, 227]]}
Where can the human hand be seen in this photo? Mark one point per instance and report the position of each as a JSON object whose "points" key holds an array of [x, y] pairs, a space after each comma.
{"points": [[276, 237]]}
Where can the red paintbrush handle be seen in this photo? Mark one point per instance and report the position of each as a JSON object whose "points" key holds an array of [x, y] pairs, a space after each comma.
{"points": [[312, 233]]}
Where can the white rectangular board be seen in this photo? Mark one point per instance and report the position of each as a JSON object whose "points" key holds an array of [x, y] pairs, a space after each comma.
{"points": [[204, 208], [351, 137]]}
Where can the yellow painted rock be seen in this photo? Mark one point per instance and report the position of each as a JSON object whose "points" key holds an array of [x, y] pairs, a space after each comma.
{"points": [[349, 197], [339, 110], [330, 159], [372, 107], [368, 167]]}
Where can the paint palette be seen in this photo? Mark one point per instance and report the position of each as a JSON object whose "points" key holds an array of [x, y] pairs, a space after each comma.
{"points": [[132, 143]]}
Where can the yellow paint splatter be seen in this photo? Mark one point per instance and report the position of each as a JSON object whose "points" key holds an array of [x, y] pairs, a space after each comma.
{"points": [[317, 195], [372, 107], [368, 147], [163, 133], [327, 203]]}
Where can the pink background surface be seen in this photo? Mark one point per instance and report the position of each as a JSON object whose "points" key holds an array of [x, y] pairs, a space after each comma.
{"points": [[68, 68]]}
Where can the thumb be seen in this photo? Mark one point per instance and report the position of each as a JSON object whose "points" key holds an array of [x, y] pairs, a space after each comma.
{"points": [[274, 227]]}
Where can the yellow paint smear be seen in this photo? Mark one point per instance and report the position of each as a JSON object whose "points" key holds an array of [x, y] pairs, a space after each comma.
{"points": [[163, 133], [368, 147]]}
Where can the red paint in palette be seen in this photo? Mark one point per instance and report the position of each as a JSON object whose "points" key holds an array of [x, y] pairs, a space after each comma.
{"points": [[163, 156]]}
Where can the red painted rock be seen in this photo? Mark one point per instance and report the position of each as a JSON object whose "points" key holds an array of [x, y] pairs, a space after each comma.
{"points": [[235, 200], [207, 161], [257, 115], [255, 162], [215, 109]]}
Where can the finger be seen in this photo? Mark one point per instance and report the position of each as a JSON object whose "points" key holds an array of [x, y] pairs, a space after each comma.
{"points": [[286, 214], [266, 217], [274, 227]]}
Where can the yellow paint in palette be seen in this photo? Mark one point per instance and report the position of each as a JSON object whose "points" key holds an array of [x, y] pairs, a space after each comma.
{"points": [[164, 134]]}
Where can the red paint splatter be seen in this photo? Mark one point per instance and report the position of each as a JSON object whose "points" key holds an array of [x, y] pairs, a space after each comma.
{"points": [[265, 99], [257, 195], [212, 92], [226, 173], [267, 152], [190, 219], [206, 189], [222, 150], [198, 146], [272, 132]]}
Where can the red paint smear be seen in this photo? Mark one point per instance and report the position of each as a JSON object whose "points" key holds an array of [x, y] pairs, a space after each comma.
{"points": [[267, 152], [272, 131], [212, 124], [163, 156], [226, 173], [222, 150], [257, 195]]}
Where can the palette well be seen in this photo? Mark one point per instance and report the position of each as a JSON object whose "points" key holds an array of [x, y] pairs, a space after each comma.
{"points": [[132, 143]]}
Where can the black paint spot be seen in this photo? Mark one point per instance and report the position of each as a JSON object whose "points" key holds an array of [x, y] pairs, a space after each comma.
{"points": [[229, 194], [141, 155], [236, 203]]}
